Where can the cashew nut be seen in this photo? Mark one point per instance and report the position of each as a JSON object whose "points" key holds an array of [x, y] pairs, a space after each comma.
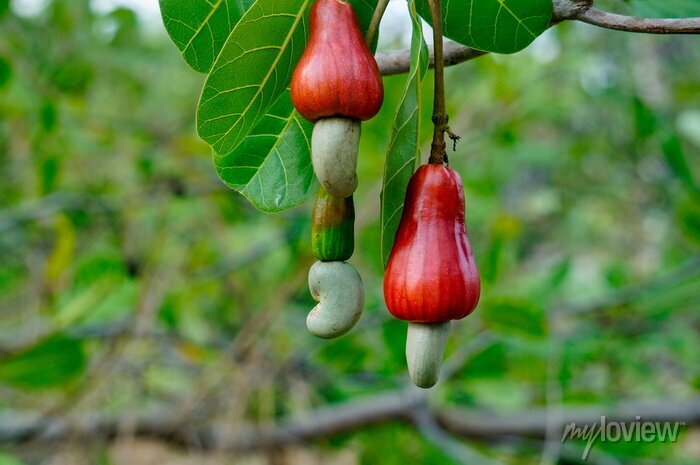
{"points": [[425, 347], [338, 289], [334, 145]]}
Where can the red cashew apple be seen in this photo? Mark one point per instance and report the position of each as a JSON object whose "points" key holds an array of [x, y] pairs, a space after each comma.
{"points": [[336, 84], [337, 74], [431, 277]]}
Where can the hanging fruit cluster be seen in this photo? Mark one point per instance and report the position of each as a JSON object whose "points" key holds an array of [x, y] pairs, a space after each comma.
{"points": [[336, 85], [431, 277]]}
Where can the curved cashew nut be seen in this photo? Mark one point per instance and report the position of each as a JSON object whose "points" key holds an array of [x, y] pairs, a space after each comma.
{"points": [[338, 289], [334, 145], [425, 347]]}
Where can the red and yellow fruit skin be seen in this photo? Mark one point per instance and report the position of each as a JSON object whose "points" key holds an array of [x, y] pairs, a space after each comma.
{"points": [[337, 74], [432, 275]]}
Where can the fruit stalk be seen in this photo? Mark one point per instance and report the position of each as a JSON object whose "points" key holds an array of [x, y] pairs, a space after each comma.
{"points": [[438, 153]]}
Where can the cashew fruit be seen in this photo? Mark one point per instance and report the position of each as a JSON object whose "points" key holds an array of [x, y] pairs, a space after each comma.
{"points": [[338, 289]]}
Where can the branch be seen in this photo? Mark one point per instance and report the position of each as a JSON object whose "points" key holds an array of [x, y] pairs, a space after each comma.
{"points": [[643, 25], [471, 424], [397, 62], [326, 422]]}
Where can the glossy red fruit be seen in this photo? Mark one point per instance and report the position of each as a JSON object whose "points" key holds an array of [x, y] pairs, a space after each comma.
{"points": [[432, 275], [337, 74]]}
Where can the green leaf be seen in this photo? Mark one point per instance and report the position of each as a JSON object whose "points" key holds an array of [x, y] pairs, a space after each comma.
{"points": [[666, 8], [5, 71], [499, 26], [48, 363], [252, 71], [404, 143], [689, 217], [199, 28], [272, 166], [677, 161]]}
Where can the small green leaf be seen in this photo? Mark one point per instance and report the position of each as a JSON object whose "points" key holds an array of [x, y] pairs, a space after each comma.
{"points": [[404, 143], [5, 71], [499, 26], [199, 28], [48, 363], [251, 72], [676, 159], [689, 217], [272, 166]]}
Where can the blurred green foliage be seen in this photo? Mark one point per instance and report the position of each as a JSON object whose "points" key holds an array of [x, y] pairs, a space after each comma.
{"points": [[130, 277]]}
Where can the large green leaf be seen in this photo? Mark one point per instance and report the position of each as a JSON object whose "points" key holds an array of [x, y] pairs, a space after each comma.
{"points": [[499, 26], [404, 143], [272, 166], [251, 72], [666, 8], [199, 28], [48, 363]]}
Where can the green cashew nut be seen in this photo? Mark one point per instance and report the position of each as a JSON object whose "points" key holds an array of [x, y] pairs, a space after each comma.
{"points": [[338, 289], [334, 145], [425, 347], [332, 227]]}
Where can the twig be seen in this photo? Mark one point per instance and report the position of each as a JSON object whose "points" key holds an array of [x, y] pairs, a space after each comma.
{"points": [[373, 28], [617, 22]]}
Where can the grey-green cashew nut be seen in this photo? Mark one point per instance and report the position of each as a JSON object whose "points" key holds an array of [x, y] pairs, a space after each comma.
{"points": [[425, 348], [338, 289]]}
